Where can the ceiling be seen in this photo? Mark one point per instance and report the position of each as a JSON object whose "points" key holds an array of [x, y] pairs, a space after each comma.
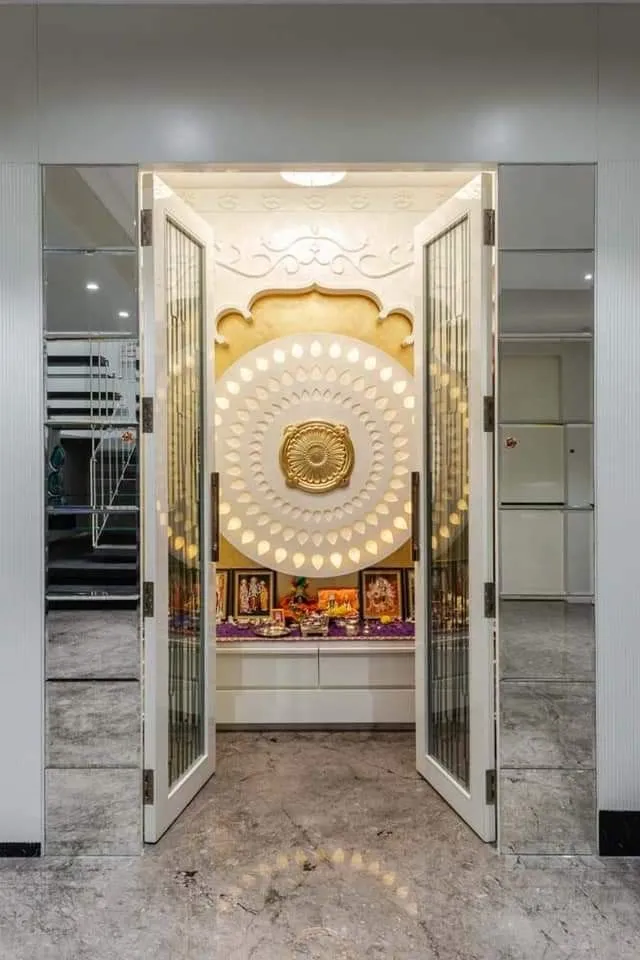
{"points": [[236, 179]]}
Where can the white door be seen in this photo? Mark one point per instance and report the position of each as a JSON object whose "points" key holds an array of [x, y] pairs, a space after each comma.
{"points": [[453, 507], [178, 504]]}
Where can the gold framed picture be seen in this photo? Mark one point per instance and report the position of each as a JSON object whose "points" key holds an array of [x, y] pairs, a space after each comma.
{"points": [[381, 593], [253, 593], [339, 602], [222, 594], [277, 615]]}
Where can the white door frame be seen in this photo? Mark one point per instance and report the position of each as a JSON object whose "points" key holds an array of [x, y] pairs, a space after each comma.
{"points": [[168, 802], [471, 804]]}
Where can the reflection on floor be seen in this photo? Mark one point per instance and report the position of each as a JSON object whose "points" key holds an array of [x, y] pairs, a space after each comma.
{"points": [[324, 846]]}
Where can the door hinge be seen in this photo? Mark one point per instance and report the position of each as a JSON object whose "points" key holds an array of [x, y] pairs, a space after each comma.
{"points": [[490, 787], [489, 414], [147, 414], [146, 227], [147, 598], [148, 787], [490, 600], [489, 228]]}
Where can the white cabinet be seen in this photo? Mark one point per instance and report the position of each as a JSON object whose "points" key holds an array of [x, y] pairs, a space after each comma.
{"points": [[530, 388], [532, 553], [579, 447], [532, 464], [580, 553]]}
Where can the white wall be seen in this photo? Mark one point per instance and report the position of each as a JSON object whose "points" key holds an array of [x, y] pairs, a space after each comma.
{"points": [[617, 445], [259, 84]]}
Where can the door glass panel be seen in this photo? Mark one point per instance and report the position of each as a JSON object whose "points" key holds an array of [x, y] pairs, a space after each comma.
{"points": [[187, 636], [447, 342]]}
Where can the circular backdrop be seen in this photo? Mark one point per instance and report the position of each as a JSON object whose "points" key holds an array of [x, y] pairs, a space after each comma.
{"points": [[275, 408]]}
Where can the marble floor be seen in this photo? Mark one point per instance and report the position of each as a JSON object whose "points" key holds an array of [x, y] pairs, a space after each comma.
{"points": [[319, 846]]}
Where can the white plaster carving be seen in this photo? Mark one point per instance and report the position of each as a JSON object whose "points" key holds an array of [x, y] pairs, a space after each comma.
{"points": [[298, 378]]}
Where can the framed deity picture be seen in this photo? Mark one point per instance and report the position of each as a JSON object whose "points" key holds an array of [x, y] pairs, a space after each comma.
{"points": [[253, 593], [277, 615], [222, 594], [381, 593], [410, 584], [343, 602]]}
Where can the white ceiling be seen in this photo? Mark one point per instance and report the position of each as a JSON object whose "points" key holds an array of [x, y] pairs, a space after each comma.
{"points": [[235, 179]]}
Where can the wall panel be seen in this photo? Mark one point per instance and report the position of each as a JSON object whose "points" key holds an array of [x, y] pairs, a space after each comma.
{"points": [[617, 449], [21, 506], [260, 84]]}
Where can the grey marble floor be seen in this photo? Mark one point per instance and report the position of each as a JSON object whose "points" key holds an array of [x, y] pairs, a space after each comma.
{"points": [[319, 846]]}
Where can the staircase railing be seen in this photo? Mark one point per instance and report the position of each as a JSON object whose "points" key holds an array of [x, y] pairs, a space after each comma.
{"points": [[113, 453]]}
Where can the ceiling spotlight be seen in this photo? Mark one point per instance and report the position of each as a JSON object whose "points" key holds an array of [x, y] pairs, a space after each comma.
{"points": [[317, 178], [588, 276], [92, 285], [123, 314]]}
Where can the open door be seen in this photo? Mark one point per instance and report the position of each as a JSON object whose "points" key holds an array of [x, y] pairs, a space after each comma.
{"points": [[453, 506], [178, 504]]}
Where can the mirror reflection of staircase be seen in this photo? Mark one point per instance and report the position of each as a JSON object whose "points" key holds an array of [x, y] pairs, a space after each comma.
{"points": [[92, 470]]}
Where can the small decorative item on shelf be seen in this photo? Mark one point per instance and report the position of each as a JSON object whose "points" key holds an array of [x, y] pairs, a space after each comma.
{"points": [[351, 626], [222, 594], [314, 625], [298, 604]]}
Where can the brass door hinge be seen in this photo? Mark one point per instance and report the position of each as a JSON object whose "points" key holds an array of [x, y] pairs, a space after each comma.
{"points": [[489, 228], [148, 787], [147, 414], [146, 227], [489, 414], [147, 598], [490, 787]]}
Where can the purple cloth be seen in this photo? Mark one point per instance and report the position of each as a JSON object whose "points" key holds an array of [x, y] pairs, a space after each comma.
{"points": [[397, 630]]}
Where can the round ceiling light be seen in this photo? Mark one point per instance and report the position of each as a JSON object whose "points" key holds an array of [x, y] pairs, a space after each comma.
{"points": [[313, 178]]}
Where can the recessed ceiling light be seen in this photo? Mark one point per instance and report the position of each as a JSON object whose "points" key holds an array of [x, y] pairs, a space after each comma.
{"points": [[588, 276], [313, 178], [92, 285], [123, 314]]}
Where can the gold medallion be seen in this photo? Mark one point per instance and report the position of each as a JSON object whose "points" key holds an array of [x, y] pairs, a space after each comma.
{"points": [[317, 456]]}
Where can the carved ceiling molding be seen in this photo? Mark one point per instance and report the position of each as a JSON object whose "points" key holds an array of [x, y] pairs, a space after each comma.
{"points": [[377, 199], [246, 312]]}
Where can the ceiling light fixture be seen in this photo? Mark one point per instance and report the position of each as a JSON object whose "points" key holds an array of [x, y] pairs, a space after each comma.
{"points": [[123, 314], [313, 178], [92, 286], [588, 276]]}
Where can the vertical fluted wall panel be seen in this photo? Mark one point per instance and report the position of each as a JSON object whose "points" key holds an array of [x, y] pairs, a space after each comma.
{"points": [[21, 505], [617, 456]]}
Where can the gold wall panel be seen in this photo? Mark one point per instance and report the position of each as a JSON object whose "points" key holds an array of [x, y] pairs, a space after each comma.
{"points": [[282, 313]]}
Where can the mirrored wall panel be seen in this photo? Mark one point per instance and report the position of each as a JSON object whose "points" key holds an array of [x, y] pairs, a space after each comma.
{"points": [[546, 508]]}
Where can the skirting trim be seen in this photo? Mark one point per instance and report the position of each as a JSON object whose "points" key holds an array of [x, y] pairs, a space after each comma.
{"points": [[20, 849], [619, 833]]}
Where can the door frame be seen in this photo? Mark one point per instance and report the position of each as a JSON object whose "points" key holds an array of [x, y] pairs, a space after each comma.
{"points": [[474, 805], [164, 803]]}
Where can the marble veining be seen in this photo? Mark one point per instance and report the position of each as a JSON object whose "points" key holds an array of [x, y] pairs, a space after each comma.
{"points": [[547, 724], [86, 644], [546, 640], [93, 723], [547, 811], [93, 812], [319, 846]]}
